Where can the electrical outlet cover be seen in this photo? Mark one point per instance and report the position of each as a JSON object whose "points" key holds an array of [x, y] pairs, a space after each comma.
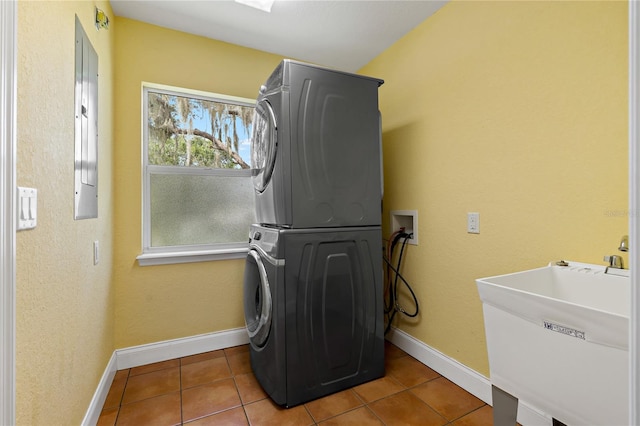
{"points": [[473, 223]]}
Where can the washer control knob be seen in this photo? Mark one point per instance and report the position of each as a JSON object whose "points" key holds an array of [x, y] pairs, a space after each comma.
{"points": [[257, 235]]}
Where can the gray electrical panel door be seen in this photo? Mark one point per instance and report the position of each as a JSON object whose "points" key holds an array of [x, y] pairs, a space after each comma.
{"points": [[86, 127]]}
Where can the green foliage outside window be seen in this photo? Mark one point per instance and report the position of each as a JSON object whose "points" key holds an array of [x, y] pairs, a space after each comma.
{"points": [[196, 132]]}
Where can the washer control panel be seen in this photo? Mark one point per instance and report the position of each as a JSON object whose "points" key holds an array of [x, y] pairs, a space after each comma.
{"points": [[265, 238]]}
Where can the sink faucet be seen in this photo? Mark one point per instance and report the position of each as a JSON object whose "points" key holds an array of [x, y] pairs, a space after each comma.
{"points": [[624, 243], [615, 261]]}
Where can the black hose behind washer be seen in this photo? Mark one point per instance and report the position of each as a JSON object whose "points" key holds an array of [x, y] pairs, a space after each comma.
{"points": [[393, 306]]}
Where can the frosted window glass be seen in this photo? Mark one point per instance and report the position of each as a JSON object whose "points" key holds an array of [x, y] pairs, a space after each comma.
{"points": [[192, 209]]}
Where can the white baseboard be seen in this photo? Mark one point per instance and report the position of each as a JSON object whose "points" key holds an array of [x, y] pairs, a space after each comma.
{"points": [[177, 348], [100, 395], [463, 376], [156, 352]]}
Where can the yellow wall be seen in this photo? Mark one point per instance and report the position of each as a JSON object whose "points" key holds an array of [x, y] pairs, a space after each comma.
{"points": [[64, 304], [515, 110], [156, 303]]}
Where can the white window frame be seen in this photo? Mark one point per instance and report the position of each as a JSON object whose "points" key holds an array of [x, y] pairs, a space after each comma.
{"points": [[183, 253]]}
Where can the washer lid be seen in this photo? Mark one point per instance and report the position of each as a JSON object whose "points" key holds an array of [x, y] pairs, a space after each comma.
{"points": [[264, 144]]}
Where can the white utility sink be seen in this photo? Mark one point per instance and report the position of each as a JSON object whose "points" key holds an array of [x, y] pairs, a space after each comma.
{"points": [[557, 338]]}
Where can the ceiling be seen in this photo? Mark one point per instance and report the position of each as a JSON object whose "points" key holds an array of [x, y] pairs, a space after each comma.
{"points": [[341, 34]]}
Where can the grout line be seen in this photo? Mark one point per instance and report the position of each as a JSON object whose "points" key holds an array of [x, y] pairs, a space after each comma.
{"points": [[309, 413], [124, 388], [366, 406], [180, 381]]}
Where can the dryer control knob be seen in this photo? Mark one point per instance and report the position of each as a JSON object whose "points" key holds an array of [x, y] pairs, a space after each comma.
{"points": [[257, 236], [263, 89]]}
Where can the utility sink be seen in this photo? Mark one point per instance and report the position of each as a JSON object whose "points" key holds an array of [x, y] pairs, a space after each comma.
{"points": [[557, 338]]}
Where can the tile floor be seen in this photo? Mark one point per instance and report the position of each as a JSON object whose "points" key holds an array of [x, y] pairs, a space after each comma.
{"points": [[218, 388]]}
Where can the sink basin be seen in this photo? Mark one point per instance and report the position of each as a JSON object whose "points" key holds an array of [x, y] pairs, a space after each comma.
{"points": [[579, 294], [557, 338]]}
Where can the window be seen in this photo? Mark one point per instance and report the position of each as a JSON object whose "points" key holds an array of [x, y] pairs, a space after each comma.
{"points": [[197, 191]]}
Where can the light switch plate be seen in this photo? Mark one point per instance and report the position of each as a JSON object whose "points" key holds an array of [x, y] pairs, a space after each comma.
{"points": [[27, 208]]}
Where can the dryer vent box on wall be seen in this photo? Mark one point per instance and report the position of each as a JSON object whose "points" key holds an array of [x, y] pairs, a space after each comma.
{"points": [[407, 219]]}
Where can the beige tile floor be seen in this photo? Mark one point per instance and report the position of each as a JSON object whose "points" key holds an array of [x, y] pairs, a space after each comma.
{"points": [[218, 388]]}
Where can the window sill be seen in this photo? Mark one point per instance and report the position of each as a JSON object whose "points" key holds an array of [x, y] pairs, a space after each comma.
{"points": [[173, 257]]}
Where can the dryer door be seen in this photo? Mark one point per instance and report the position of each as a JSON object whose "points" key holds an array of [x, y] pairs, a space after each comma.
{"points": [[257, 299], [264, 143]]}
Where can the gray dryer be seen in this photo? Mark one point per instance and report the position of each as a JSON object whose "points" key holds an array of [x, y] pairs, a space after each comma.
{"points": [[316, 148]]}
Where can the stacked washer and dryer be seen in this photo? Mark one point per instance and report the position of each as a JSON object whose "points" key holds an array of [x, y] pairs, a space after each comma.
{"points": [[313, 275]]}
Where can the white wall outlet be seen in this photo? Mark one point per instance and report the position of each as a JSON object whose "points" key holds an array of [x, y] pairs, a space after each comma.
{"points": [[473, 223]]}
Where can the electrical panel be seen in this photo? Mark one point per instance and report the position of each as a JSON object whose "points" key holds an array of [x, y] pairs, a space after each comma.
{"points": [[86, 127]]}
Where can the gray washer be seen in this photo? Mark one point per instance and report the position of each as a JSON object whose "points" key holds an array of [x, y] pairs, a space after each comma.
{"points": [[313, 309]]}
